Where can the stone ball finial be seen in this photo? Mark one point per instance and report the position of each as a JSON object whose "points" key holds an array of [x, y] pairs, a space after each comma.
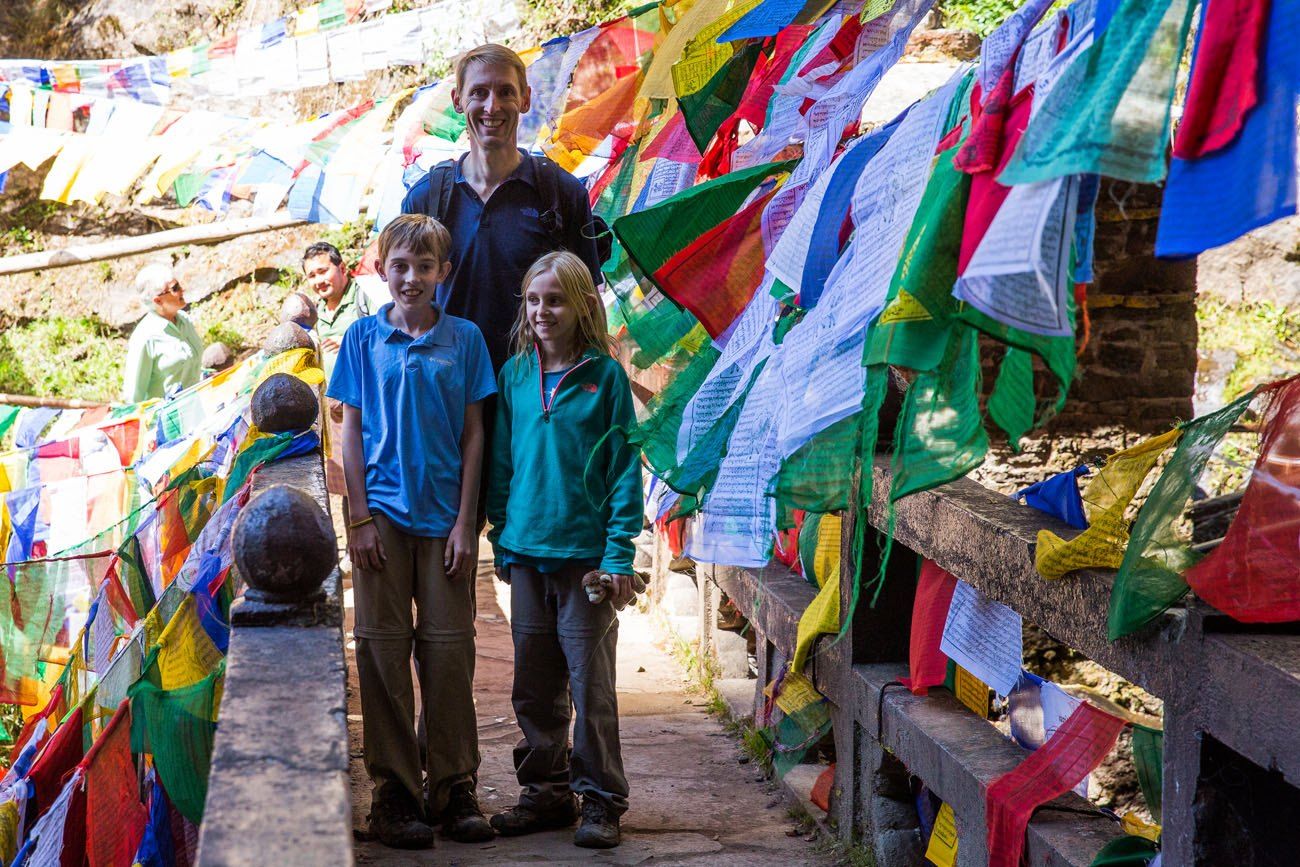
{"points": [[284, 545], [283, 402], [286, 336]]}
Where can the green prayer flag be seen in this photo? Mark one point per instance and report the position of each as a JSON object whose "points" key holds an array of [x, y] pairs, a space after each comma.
{"points": [[1126, 852], [1150, 577], [1011, 405], [706, 109], [941, 434], [652, 236], [1148, 759]]}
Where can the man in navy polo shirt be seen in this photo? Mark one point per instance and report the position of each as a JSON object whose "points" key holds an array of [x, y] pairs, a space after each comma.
{"points": [[504, 208]]}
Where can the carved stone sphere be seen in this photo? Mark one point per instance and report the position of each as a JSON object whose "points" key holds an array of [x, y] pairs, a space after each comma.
{"points": [[286, 336], [284, 402], [284, 544]]}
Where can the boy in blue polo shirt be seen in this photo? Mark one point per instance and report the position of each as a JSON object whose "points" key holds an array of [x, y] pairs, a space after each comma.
{"points": [[411, 379]]}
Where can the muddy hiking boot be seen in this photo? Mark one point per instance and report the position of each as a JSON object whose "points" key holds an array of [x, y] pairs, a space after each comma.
{"points": [[599, 828], [518, 820], [397, 824], [462, 819]]}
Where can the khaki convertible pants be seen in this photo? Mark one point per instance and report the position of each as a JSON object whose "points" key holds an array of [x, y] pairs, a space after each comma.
{"points": [[441, 635]]}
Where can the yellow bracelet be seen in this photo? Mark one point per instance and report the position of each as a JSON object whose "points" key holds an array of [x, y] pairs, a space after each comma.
{"points": [[361, 523]]}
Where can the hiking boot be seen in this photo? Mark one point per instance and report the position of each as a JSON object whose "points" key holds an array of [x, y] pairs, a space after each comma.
{"points": [[398, 826], [599, 828], [519, 819], [462, 819]]}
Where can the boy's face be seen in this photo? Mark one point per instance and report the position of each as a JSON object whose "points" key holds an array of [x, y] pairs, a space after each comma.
{"points": [[412, 276], [491, 100]]}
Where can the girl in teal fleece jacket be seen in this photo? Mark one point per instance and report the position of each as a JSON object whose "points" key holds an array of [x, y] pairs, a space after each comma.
{"points": [[564, 499]]}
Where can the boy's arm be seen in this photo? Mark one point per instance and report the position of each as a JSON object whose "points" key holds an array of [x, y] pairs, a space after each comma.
{"points": [[503, 466], [364, 547], [460, 554], [623, 475]]}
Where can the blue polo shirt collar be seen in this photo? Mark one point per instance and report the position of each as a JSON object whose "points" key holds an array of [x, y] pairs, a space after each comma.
{"points": [[439, 335], [523, 172]]}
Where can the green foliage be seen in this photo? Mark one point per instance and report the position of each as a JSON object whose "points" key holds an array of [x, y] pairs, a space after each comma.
{"points": [[351, 240], [60, 357], [546, 19], [20, 239], [221, 332], [1265, 338], [980, 16], [241, 315]]}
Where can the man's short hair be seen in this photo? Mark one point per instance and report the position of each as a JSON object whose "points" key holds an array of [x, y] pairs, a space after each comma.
{"points": [[491, 54], [152, 281], [323, 248], [418, 232], [298, 308]]}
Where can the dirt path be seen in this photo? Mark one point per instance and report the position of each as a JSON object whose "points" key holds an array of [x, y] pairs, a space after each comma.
{"points": [[692, 802]]}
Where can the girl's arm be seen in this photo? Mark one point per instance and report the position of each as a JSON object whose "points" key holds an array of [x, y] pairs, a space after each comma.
{"points": [[364, 546], [623, 475], [460, 551]]}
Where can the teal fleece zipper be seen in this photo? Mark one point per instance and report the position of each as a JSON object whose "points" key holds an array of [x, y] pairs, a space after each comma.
{"points": [[562, 485]]}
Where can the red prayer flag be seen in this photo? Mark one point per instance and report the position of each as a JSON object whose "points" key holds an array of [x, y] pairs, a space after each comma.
{"points": [[115, 816], [1225, 77], [986, 194], [61, 754], [716, 275], [1055, 768], [928, 664], [1254, 574]]}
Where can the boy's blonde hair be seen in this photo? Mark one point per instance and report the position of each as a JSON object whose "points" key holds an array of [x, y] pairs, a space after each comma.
{"points": [[579, 293], [491, 54], [418, 232]]}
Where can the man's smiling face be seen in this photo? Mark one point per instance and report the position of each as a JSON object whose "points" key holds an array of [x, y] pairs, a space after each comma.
{"points": [[492, 97]]}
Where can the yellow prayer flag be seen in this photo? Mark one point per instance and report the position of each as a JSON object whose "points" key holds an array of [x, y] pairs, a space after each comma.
{"points": [[8, 831], [1105, 498], [186, 654], [703, 55], [942, 850], [821, 616], [826, 557], [1135, 826], [797, 693], [658, 83], [308, 21], [972, 692]]}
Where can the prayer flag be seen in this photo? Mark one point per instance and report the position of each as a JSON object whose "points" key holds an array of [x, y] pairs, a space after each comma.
{"points": [[1150, 578], [928, 664], [1072, 753], [1254, 574]]}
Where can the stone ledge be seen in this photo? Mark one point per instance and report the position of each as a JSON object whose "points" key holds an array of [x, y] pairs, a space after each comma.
{"points": [[988, 540], [278, 790], [1259, 672], [958, 755]]}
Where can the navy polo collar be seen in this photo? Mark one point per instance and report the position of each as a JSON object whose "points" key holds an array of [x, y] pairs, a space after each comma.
{"points": [[439, 335], [523, 172]]}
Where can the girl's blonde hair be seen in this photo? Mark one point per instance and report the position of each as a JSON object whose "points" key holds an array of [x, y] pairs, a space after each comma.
{"points": [[579, 293]]}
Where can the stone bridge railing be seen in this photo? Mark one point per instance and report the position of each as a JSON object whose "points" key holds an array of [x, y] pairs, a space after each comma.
{"points": [[279, 791], [1232, 695]]}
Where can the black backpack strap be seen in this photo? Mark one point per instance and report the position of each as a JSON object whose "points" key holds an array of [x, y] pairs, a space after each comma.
{"points": [[442, 179], [548, 190]]}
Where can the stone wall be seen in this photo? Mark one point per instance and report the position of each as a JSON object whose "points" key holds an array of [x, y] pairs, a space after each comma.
{"points": [[1136, 374]]}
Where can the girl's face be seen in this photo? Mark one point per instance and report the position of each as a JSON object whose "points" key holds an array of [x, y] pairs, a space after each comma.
{"points": [[552, 318]]}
